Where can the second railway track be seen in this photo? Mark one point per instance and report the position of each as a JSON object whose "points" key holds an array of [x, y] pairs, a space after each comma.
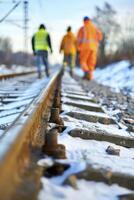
{"points": [[88, 137]]}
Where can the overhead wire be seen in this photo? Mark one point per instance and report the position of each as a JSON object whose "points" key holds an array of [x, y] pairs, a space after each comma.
{"points": [[10, 11], [14, 23]]}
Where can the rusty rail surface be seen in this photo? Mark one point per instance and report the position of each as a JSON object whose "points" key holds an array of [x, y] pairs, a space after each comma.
{"points": [[5, 76], [22, 135]]}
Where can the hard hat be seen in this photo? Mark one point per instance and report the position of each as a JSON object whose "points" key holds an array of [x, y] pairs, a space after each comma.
{"points": [[69, 28], [86, 18], [42, 26]]}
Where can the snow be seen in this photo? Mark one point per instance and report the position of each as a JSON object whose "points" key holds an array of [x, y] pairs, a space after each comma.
{"points": [[73, 92], [93, 152], [74, 168], [84, 98], [98, 127], [93, 146], [88, 190], [21, 98], [46, 162], [80, 153], [84, 102], [14, 105], [8, 119], [119, 76], [68, 108], [14, 69]]}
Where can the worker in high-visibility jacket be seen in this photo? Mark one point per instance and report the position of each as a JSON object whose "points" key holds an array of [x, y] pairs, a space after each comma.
{"points": [[68, 46], [88, 39], [41, 45]]}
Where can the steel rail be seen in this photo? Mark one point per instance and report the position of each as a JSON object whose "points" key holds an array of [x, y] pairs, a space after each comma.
{"points": [[22, 135], [6, 76]]}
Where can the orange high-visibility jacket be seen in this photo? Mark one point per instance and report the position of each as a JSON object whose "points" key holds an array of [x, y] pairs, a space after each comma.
{"points": [[68, 44], [88, 37]]}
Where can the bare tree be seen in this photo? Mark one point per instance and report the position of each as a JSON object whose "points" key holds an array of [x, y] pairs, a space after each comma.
{"points": [[105, 18], [5, 45]]}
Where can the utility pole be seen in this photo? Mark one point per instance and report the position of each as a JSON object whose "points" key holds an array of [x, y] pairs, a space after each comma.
{"points": [[25, 26]]}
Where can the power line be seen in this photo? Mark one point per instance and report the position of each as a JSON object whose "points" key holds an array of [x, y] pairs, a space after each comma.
{"points": [[14, 23], [10, 11]]}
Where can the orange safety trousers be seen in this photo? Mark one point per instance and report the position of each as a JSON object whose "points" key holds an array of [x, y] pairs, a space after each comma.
{"points": [[88, 59]]}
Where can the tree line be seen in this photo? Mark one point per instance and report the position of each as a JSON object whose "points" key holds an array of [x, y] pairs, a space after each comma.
{"points": [[8, 57]]}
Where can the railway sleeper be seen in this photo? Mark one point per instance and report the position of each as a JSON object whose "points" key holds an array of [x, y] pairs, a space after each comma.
{"points": [[109, 177], [102, 136]]}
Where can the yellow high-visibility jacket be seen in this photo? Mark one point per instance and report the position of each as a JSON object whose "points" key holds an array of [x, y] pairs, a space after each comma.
{"points": [[41, 41], [68, 44]]}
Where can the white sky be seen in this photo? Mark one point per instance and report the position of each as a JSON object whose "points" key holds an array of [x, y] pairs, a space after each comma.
{"points": [[56, 15]]}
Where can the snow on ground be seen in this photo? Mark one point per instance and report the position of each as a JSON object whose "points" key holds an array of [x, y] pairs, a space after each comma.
{"points": [[14, 69], [88, 190], [94, 153], [80, 152], [119, 76], [108, 129], [9, 112], [19, 68]]}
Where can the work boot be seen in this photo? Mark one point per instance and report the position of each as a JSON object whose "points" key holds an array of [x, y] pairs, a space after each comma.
{"points": [[47, 74], [85, 77], [71, 73]]}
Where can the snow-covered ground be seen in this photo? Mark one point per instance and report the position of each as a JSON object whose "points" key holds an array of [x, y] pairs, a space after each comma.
{"points": [[88, 190], [14, 69], [78, 153], [119, 76]]}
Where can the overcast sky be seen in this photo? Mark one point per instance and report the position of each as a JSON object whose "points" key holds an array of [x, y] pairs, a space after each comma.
{"points": [[56, 15]]}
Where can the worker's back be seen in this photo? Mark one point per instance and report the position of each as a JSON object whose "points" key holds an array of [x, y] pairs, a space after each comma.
{"points": [[89, 36], [41, 42], [68, 44]]}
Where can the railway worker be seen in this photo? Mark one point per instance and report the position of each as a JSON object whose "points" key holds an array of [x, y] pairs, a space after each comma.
{"points": [[88, 39], [41, 45], [68, 47]]}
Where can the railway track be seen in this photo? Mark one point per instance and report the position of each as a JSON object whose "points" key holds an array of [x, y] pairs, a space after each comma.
{"points": [[15, 94], [7, 76], [93, 146]]}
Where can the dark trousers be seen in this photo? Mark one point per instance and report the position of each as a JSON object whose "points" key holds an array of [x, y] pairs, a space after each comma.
{"points": [[69, 60], [42, 56]]}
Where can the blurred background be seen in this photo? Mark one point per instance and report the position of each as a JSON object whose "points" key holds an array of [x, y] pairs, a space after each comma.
{"points": [[19, 20]]}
